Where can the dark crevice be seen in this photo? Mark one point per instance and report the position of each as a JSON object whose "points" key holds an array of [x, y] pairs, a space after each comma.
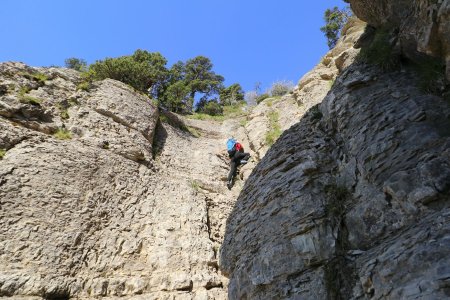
{"points": [[208, 221], [57, 295], [187, 288], [159, 139], [211, 285], [340, 273]]}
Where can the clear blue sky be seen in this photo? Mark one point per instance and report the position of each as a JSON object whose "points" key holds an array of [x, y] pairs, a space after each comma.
{"points": [[248, 41]]}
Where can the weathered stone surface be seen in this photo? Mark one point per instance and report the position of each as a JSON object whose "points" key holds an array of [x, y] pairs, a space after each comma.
{"points": [[424, 25], [96, 215], [355, 201]]}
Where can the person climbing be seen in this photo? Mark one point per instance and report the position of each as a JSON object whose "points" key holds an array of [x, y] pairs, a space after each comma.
{"points": [[237, 157]]}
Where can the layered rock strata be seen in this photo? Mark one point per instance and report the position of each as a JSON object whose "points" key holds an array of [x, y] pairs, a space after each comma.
{"points": [[100, 199], [353, 201], [423, 25]]}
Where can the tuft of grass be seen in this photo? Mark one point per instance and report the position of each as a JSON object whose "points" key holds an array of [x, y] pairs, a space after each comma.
{"points": [[63, 107], [27, 99], [2, 153], [63, 134], [105, 145], [23, 90], [194, 185], [40, 78], [87, 78], [243, 122], [84, 86], [193, 131], [381, 51], [275, 130], [73, 102], [64, 114]]}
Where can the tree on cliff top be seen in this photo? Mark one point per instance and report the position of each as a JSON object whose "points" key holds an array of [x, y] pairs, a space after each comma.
{"points": [[143, 70], [335, 19], [174, 88], [76, 64]]}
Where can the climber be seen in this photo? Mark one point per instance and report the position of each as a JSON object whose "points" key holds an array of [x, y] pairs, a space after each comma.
{"points": [[237, 157]]}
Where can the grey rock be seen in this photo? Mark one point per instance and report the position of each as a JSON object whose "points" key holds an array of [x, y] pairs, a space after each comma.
{"points": [[424, 26], [367, 217], [96, 215]]}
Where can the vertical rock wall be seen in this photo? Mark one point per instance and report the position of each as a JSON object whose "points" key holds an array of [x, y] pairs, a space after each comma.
{"points": [[91, 206], [353, 201]]}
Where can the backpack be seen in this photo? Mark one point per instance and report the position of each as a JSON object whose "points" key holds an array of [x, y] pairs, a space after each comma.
{"points": [[231, 143]]}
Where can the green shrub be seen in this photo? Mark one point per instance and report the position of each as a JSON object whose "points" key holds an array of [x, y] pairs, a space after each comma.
{"points": [[275, 130], [213, 108], [63, 134], [39, 77], [142, 70], [231, 95], [261, 98], [74, 63], [381, 52], [2, 153], [335, 20], [236, 110], [281, 88]]}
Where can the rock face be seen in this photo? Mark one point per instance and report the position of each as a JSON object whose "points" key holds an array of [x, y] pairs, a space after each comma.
{"points": [[423, 25], [94, 214], [353, 201], [100, 199]]}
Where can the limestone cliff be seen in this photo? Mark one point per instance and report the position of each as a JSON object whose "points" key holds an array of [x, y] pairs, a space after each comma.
{"points": [[104, 196], [352, 202], [100, 199]]}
